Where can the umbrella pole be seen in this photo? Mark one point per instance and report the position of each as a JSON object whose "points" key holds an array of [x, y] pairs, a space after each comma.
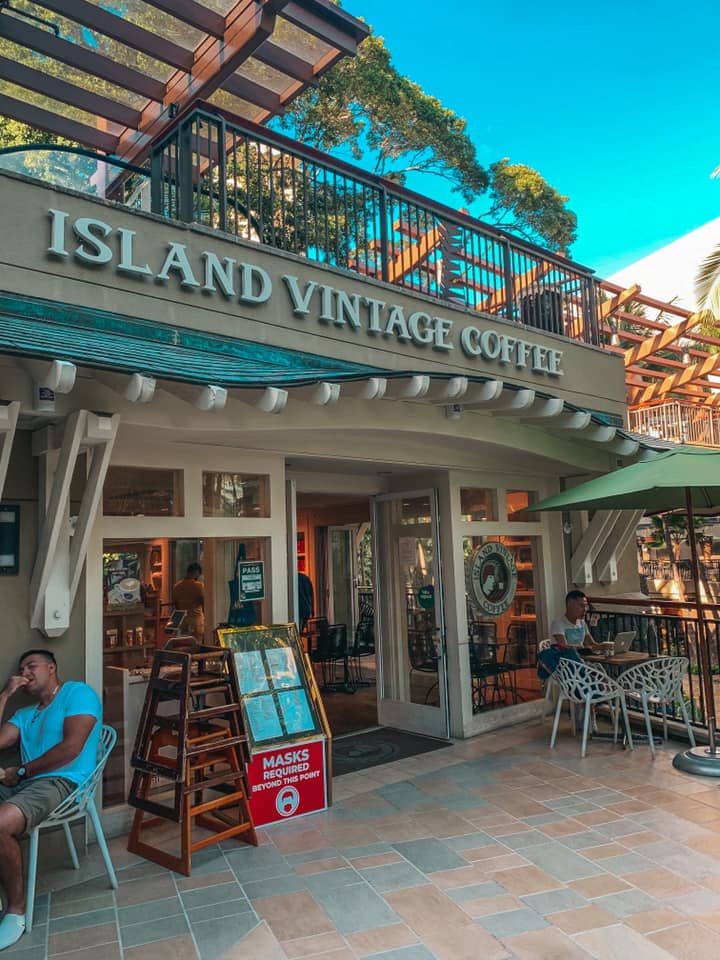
{"points": [[700, 760]]}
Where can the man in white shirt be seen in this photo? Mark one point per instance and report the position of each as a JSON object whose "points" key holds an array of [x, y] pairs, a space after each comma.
{"points": [[570, 631]]}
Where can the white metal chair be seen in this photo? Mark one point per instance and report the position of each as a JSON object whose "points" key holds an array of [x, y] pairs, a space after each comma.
{"points": [[658, 682], [77, 806], [588, 686]]}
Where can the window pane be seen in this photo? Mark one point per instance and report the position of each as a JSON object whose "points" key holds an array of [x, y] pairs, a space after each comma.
{"points": [[141, 492], [236, 495], [477, 504], [517, 503]]}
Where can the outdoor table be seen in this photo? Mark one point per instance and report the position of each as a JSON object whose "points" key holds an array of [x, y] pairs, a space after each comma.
{"points": [[617, 662]]}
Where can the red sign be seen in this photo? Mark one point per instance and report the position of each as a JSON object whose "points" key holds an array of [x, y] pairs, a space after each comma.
{"points": [[287, 782]]}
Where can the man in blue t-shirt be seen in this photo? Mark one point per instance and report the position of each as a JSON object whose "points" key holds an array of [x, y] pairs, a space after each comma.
{"points": [[58, 740]]}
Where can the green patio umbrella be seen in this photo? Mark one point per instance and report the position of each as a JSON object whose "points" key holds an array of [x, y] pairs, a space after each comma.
{"points": [[688, 479]]}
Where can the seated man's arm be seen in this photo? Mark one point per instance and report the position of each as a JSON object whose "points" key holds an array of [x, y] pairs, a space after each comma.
{"points": [[76, 730], [559, 640], [9, 732]]}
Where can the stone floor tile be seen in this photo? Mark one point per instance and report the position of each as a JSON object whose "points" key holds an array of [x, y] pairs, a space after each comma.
{"points": [[526, 880], [658, 920], [511, 922], [98, 936], [661, 883], [601, 886], [81, 920], [394, 876], [430, 855], [618, 943], [214, 939], [424, 909], [561, 863], [554, 901], [321, 943], [547, 944], [415, 952], [369, 942], [108, 951], [486, 906], [179, 948], [293, 916], [151, 930], [319, 866], [216, 911], [582, 918], [464, 943], [205, 880], [141, 891], [154, 910], [475, 891], [627, 902], [688, 941]]}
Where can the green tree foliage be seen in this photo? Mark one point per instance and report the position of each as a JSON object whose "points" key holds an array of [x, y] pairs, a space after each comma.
{"points": [[364, 106], [524, 202]]}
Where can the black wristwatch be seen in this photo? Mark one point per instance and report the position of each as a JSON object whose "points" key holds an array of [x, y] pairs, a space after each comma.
{"points": [[21, 773]]}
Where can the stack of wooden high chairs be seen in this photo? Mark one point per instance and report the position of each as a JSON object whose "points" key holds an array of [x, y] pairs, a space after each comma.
{"points": [[189, 758]]}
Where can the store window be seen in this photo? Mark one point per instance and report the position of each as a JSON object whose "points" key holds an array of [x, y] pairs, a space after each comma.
{"points": [[143, 492], [236, 495], [478, 504], [502, 586], [517, 502]]}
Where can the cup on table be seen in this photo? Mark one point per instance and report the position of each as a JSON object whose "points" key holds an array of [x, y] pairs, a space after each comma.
{"points": [[608, 648]]}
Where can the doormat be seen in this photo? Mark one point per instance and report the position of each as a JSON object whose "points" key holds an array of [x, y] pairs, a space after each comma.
{"points": [[371, 748]]}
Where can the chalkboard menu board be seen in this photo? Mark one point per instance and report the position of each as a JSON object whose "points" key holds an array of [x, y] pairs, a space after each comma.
{"points": [[280, 699]]}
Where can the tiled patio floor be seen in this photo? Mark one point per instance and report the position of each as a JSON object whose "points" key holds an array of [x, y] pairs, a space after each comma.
{"points": [[490, 849]]}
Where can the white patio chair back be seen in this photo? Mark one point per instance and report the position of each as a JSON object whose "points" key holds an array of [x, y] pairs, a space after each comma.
{"points": [[76, 806], [588, 685], [658, 682], [549, 685]]}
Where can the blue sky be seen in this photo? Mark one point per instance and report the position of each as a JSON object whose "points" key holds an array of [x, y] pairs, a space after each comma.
{"points": [[615, 103]]}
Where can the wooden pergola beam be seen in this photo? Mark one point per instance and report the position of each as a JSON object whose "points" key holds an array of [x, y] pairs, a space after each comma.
{"points": [[247, 26], [669, 335], [618, 300], [53, 123], [694, 372], [64, 92], [194, 14], [124, 31], [411, 257], [81, 58]]}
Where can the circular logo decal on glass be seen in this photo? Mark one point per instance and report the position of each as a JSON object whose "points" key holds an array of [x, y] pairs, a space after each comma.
{"points": [[493, 578], [287, 801]]}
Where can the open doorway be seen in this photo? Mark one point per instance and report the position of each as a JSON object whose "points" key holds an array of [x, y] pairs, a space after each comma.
{"points": [[334, 553]]}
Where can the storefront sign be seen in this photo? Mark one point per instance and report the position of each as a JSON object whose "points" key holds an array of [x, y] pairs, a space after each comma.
{"points": [[251, 579], [426, 597], [287, 782], [98, 245], [493, 578]]}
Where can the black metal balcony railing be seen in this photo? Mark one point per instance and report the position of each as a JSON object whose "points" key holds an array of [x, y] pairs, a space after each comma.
{"points": [[260, 186], [662, 632], [663, 570]]}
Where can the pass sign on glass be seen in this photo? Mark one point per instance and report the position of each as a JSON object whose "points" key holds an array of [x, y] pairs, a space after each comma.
{"points": [[251, 579]]}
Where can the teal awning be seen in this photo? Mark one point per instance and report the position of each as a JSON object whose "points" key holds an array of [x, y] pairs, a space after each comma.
{"points": [[42, 329]]}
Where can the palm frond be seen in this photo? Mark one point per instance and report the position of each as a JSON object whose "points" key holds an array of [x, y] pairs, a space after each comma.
{"points": [[707, 283]]}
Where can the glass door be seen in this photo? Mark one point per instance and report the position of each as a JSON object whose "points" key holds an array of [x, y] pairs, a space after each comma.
{"points": [[412, 684], [342, 576]]}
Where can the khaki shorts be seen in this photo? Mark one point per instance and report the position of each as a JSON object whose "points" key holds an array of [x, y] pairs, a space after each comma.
{"points": [[37, 798]]}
